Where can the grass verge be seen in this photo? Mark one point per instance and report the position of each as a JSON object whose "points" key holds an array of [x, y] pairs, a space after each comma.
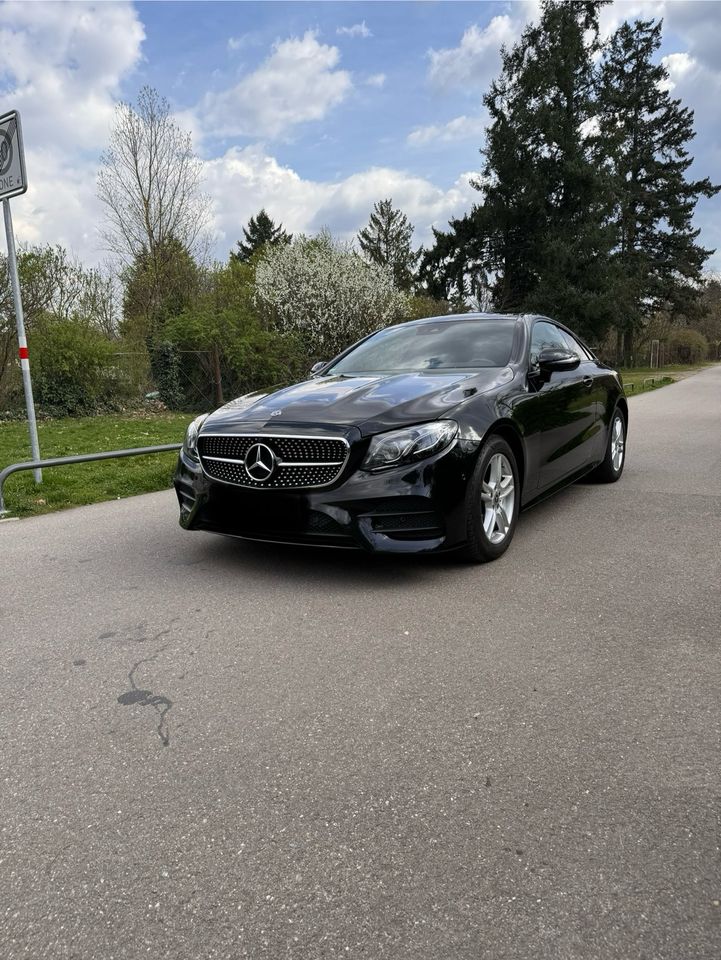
{"points": [[84, 483], [640, 377]]}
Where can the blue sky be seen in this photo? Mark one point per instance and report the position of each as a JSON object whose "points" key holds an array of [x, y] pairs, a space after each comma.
{"points": [[313, 110], [385, 51]]}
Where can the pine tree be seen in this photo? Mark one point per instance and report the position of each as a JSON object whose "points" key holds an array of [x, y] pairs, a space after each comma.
{"points": [[387, 241], [453, 269], [645, 134], [261, 230], [544, 214]]}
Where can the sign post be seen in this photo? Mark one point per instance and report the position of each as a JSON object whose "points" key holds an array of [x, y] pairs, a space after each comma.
{"points": [[13, 181]]}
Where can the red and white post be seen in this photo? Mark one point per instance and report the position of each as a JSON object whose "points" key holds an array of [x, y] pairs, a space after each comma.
{"points": [[22, 342]]}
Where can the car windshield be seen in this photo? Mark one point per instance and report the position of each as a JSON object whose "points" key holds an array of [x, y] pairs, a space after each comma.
{"points": [[428, 347]]}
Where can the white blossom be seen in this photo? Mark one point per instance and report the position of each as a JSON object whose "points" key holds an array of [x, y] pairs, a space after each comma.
{"points": [[326, 292]]}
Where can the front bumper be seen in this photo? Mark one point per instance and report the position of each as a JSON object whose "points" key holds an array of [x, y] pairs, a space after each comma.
{"points": [[401, 510]]}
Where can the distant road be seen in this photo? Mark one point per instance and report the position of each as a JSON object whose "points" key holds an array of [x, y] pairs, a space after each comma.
{"points": [[217, 750]]}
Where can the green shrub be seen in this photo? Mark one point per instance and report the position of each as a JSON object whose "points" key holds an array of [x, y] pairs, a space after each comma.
{"points": [[72, 368], [420, 306], [221, 343], [686, 346]]}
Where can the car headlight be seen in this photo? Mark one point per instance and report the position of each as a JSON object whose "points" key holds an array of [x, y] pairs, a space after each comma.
{"points": [[406, 446], [190, 444]]}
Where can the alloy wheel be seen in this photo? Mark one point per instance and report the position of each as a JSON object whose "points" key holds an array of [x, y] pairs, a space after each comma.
{"points": [[617, 444], [498, 497]]}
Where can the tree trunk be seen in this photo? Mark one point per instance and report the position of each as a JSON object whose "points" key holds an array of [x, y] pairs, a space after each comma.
{"points": [[217, 379], [628, 346]]}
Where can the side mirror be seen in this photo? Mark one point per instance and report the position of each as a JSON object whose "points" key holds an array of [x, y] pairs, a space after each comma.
{"points": [[317, 367], [552, 360]]}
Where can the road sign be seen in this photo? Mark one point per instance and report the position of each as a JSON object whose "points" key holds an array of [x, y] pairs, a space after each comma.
{"points": [[13, 180]]}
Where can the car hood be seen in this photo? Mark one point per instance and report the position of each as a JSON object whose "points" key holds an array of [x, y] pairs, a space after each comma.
{"points": [[370, 403]]}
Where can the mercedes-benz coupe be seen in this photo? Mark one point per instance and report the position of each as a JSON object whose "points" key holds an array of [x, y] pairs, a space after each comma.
{"points": [[430, 435]]}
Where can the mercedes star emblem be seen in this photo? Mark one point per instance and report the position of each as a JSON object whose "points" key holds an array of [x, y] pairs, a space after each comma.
{"points": [[259, 462]]}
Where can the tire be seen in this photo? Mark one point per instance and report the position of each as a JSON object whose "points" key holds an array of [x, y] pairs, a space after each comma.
{"points": [[490, 529], [611, 467]]}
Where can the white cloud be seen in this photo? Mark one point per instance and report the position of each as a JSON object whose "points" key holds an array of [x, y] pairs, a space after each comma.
{"points": [[357, 30], [679, 66], [476, 59], [244, 41], [459, 128], [350, 201], [297, 83], [65, 63], [375, 80], [62, 68], [61, 205], [245, 179]]}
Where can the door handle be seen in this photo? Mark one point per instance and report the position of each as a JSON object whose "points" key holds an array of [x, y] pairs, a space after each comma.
{"points": [[587, 382]]}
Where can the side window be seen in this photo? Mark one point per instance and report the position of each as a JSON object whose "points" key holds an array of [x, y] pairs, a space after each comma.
{"points": [[545, 336], [574, 346]]}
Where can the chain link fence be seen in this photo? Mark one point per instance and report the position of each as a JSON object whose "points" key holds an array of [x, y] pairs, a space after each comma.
{"points": [[201, 382]]}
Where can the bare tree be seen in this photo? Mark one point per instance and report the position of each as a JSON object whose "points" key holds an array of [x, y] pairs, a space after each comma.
{"points": [[101, 299], [53, 282], [149, 181]]}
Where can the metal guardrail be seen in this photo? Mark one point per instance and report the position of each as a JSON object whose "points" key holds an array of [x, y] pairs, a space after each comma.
{"points": [[630, 385], [81, 458]]}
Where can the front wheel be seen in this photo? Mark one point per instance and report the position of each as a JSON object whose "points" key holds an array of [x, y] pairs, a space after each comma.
{"points": [[492, 502], [611, 467]]}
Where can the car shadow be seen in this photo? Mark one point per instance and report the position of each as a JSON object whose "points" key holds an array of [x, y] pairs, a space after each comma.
{"points": [[361, 570], [548, 510], [329, 565]]}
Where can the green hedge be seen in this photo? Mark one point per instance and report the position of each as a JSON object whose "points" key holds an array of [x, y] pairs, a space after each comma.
{"points": [[686, 346], [73, 368]]}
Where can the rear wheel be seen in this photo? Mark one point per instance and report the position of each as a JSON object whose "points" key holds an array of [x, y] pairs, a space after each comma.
{"points": [[492, 502], [611, 467]]}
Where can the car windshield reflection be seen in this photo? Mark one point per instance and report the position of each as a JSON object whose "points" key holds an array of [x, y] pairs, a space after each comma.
{"points": [[447, 346]]}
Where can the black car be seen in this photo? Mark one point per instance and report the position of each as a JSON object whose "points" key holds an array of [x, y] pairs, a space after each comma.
{"points": [[429, 435]]}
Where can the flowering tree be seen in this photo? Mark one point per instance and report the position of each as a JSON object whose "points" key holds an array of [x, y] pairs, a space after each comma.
{"points": [[321, 289]]}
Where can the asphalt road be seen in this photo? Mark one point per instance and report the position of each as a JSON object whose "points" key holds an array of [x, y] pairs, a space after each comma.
{"points": [[217, 750]]}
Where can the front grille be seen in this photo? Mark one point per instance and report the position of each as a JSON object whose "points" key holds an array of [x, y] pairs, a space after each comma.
{"points": [[299, 461]]}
